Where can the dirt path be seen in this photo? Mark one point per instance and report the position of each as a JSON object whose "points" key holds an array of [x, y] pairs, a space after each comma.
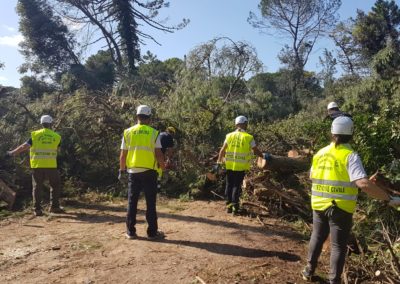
{"points": [[88, 245]]}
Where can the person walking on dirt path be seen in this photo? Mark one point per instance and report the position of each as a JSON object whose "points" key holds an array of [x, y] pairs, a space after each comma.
{"points": [[336, 174], [236, 151], [43, 146], [334, 111], [140, 153]]}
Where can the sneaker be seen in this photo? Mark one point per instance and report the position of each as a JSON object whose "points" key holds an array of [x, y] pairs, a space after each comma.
{"points": [[307, 274], [57, 210], [229, 207], [131, 236], [235, 210], [38, 212], [158, 236]]}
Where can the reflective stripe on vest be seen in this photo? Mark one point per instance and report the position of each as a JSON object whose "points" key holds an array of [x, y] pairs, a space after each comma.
{"points": [[38, 157], [43, 151], [331, 181], [140, 141], [144, 148], [44, 154], [236, 157], [238, 151], [334, 196]]}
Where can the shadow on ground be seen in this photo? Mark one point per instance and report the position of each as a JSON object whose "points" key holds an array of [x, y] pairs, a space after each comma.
{"points": [[228, 249], [102, 217], [234, 250]]}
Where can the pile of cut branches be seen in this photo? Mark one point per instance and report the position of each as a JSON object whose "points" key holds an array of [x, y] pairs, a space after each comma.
{"points": [[281, 187]]}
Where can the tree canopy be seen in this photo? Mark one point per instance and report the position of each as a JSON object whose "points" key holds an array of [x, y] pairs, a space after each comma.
{"points": [[48, 45], [303, 22]]}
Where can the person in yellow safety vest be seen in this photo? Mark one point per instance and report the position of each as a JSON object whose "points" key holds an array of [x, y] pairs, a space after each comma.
{"points": [[140, 157], [336, 174], [236, 152], [43, 146]]}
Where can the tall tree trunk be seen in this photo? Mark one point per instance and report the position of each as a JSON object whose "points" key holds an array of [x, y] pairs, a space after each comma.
{"points": [[127, 28]]}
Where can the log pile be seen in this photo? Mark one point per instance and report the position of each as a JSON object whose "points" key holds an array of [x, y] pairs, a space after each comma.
{"points": [[282, 187], [285, 165], [278, 197]]}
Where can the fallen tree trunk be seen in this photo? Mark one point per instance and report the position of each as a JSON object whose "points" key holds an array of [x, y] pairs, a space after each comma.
{"points": [[7, 194], [384, 183], [285, 165]]}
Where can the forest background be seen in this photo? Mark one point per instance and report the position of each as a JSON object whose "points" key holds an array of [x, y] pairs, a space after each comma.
{"points": [[93, 99]]}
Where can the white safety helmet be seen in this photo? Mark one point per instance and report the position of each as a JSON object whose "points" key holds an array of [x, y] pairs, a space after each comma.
{"points": [[143, 109], [240, 119], [342, 125], [332, 105], [46, 119]]}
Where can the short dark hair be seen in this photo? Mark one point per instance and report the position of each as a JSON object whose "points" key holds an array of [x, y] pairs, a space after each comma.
{"points": [[46, 125], [334, 108], [143, 116], [341, 139]]}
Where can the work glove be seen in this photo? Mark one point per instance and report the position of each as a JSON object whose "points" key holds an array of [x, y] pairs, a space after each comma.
{"points": [[121, 174], [267, 156], [216, 168], [395, 202]]}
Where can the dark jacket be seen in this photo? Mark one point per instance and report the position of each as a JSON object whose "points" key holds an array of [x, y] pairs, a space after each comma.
{"points": [[337, 114]]}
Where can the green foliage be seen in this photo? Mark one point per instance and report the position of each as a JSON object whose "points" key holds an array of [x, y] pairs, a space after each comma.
{"points": [[265, 81], [125, 16], [347, 51], [387, 61], [47, 45], [157, 77], [392, 171], [306, 130], [34, 88], [219, 80], [287, 95], [328, 63], [372, 30], [97, 74], [102, 69], [118, 23], [302, 21]]}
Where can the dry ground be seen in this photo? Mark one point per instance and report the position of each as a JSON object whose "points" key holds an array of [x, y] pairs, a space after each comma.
{"points": [[88, 245]]}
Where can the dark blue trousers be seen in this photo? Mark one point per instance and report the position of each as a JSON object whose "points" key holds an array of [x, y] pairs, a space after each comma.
{"points": [[146, 182], [233, 189]]}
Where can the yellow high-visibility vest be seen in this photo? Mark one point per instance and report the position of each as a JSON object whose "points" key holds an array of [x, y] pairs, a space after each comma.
{"points": [[238, 151], [330, 179], [43, 151], [140, 140]]}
